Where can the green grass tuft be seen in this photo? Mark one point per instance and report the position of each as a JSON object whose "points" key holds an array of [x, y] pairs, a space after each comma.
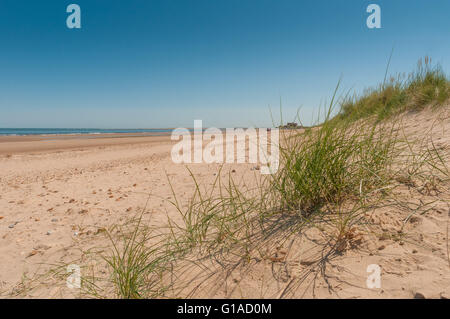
{"points": [[428, 85]]}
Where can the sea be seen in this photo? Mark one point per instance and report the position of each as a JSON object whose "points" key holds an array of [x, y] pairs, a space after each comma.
{"points": [[73, 131]]}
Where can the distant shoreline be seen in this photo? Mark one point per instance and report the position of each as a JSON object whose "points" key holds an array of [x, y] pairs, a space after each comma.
{"points": [[83, 132], [10, 145], [39, 137], [76, 131]]}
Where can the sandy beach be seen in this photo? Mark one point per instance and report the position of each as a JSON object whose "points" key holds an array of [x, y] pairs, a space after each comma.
{"points": [[57, 192], [58, 195]]}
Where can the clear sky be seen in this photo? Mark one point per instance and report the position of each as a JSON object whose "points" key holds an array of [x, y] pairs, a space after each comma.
{"points": [[164, 63]]}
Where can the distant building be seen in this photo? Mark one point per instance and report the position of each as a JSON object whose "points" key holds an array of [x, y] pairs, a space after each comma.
{"points": [[291, 125]]}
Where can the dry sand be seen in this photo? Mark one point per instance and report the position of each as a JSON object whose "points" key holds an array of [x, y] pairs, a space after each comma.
{"points": [[57, 194]]}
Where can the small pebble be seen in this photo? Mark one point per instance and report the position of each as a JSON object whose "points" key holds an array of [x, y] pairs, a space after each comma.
{"points": [[13, 224], [32, 253]]}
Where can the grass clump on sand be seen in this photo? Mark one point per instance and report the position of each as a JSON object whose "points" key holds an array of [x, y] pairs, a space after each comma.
{"points": [[137, 262], [332, 163]]}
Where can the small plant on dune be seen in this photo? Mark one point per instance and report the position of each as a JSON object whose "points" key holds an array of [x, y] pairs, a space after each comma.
{"points": [[331, 163], [216, 217], [427, 85], [138, 262]]}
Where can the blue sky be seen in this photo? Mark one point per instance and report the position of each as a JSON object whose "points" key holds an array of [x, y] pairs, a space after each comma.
{"points": [[148, 63]]}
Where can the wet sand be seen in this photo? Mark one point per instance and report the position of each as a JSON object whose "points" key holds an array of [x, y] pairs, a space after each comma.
{"points": [[10, 145]]}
